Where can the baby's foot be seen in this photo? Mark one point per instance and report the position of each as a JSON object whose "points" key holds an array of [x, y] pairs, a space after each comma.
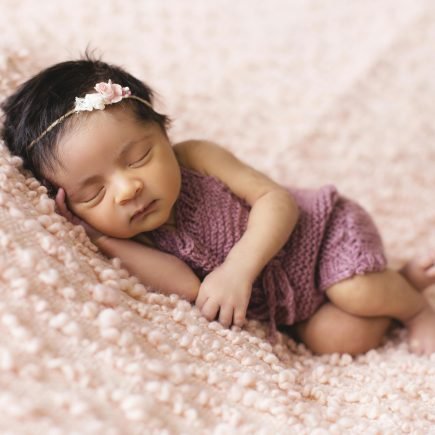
{"points": [[420, 271], [422, 331]]}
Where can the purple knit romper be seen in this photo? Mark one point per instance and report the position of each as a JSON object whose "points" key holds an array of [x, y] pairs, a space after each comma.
{"points": [[334, 239]]}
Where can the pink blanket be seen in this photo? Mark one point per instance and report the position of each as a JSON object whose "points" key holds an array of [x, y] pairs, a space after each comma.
{"points": [[309, 92]]}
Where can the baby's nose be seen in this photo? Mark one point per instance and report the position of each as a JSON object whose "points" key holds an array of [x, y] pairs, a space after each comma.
{"points": [[128, 190]]}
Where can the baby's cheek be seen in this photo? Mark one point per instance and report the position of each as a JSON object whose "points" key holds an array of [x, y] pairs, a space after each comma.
{"points": [[107, 222], [80, 212], [98, 218], [89, 216]]}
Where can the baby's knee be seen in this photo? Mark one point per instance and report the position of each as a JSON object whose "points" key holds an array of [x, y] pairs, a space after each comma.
{"points": [[361, 339], [353, 337], [361, 295]]}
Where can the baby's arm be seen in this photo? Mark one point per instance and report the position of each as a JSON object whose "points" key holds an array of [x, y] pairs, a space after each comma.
{"points": [[157, 269], [273, 216], [154, 268]]}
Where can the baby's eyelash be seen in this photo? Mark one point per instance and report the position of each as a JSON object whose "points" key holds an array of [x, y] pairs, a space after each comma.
{"points": [[91, 199], [136, 161]]}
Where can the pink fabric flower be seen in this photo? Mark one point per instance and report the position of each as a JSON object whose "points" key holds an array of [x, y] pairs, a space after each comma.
{"points": [[107, 93], [111, 92]]}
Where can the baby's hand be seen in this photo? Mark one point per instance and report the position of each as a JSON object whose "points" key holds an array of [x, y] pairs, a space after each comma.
{"points": [[63, 209], [225, 291]]}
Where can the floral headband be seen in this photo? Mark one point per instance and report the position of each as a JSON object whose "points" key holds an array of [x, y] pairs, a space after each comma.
{"points": [[107, 93]]}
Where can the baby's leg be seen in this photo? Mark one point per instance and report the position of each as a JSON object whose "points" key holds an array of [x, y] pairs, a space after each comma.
{"points": [[332, 330], [389, 294]]}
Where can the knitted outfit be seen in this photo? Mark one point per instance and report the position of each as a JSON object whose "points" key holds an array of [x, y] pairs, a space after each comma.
{"points": [[333, 239]]}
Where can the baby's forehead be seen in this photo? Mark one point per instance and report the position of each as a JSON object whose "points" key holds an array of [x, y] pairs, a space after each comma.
{"points": [[93, 142], [105, 123]]}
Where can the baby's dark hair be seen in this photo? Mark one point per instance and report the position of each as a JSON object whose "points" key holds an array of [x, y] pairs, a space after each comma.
{"points": [[51, 93]]}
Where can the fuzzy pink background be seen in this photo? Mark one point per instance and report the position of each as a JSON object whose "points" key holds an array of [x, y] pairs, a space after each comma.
{"points": [[309, 92]]}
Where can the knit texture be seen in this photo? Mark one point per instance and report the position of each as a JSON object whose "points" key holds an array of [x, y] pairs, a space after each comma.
{"points": [[309, 92], [333, 239]]}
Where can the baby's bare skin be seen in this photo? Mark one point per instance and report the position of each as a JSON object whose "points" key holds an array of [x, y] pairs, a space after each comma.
{"points": [[360, 309], [420, 272]]}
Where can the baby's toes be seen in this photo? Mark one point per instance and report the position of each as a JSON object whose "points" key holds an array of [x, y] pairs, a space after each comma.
{"points": [[422, 332], [426, 261], [430, 271], [427, 346], [416, 347]]}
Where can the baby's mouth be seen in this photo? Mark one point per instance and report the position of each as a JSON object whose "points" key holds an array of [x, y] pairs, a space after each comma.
{"points": [[144, 210]]}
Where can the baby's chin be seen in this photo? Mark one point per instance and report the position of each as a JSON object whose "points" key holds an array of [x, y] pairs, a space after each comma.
{"points": [[121, 234], [130, 233]]}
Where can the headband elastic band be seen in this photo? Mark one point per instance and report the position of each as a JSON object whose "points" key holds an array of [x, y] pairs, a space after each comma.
{"points": [[107, 93]]}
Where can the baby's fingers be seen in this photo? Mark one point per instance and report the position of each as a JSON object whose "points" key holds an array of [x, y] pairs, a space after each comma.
{"points": [[60, 201], [61, 205], [201, 298], [239, 316], [210, 309], [226, 315]]}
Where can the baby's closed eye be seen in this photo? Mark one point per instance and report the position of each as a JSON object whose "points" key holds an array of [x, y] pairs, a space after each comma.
{"points": [[89, 198], [141, 159], [92, 197]]}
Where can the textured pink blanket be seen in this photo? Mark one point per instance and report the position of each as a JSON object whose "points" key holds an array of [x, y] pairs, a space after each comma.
{"points": [[309, 92]]}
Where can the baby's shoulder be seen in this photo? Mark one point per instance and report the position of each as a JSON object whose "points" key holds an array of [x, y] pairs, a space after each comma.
{"points": [[189, 154], [205, 157]]}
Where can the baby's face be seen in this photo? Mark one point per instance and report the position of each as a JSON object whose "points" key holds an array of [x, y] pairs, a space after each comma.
{"points": [[114, 166]]}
